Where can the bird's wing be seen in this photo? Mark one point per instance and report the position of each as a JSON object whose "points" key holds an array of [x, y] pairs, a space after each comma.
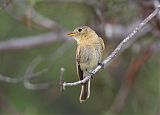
{"points": [[79, 71]]}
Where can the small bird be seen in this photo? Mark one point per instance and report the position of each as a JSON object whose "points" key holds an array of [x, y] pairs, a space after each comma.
{"points": [[88, 55]]}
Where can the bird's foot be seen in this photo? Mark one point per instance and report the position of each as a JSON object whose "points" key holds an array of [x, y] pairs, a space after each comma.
{"points": [[102, 65], [92, 74], [82, 83]]}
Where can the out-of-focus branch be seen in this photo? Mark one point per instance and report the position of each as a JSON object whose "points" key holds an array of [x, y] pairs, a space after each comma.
{"points": [[44, 21], [9, 79], [112, 32], [31, 15], [30, 74], [118, 50], [31, 42], [59, 33]]}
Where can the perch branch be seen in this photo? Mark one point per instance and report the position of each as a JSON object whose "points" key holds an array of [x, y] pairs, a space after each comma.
{"points": [[118, 49]]}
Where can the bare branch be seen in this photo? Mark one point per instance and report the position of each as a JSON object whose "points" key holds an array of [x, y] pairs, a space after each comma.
{"points": [[118, 50]]}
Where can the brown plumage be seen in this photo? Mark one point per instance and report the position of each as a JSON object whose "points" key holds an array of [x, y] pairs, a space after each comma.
{"points": [[88, 55]]}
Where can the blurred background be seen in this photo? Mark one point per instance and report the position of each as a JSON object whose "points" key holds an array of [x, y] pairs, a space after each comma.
{"points": [[34, 49]]}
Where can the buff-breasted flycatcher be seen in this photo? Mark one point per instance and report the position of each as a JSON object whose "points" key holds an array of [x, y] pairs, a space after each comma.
{"points": [[88, 55]]}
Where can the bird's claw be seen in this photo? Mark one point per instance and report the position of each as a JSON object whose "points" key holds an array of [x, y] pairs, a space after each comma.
{"points": [[102, 65], [82, 83], [92, 74]]}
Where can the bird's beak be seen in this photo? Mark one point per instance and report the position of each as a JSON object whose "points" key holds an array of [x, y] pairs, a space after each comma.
{"points": [[72, 34]]}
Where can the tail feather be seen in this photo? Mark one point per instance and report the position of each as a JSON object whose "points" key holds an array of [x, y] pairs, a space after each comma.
{"points": [[85, 92]]}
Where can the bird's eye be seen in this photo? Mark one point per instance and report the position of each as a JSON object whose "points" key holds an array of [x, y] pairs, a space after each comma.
{"points": [[79, 30]]}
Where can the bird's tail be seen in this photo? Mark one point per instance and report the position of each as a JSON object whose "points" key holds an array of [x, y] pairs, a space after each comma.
{"points": [[85, 92]]}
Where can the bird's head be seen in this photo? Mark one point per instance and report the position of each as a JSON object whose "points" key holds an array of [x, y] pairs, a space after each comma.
{"points": [[82, 33]]}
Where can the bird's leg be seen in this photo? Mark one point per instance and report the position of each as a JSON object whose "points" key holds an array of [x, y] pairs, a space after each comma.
{"points": [[101, 64]]}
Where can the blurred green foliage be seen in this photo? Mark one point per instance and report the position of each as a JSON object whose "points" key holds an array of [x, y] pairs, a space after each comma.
{"points": [[141, 101]]}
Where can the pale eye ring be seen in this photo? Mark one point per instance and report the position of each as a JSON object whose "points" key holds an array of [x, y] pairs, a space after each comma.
{"points": [[79, 30]]}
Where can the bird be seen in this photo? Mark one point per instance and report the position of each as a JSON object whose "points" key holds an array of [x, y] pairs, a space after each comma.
{"points": [[89, 53]]}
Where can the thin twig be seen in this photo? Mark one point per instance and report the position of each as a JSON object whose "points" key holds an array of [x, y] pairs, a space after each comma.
{"points": [[118, 49]]}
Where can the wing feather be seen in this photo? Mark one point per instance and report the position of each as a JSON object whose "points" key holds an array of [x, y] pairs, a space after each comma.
{"points": [[79, 71]]}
